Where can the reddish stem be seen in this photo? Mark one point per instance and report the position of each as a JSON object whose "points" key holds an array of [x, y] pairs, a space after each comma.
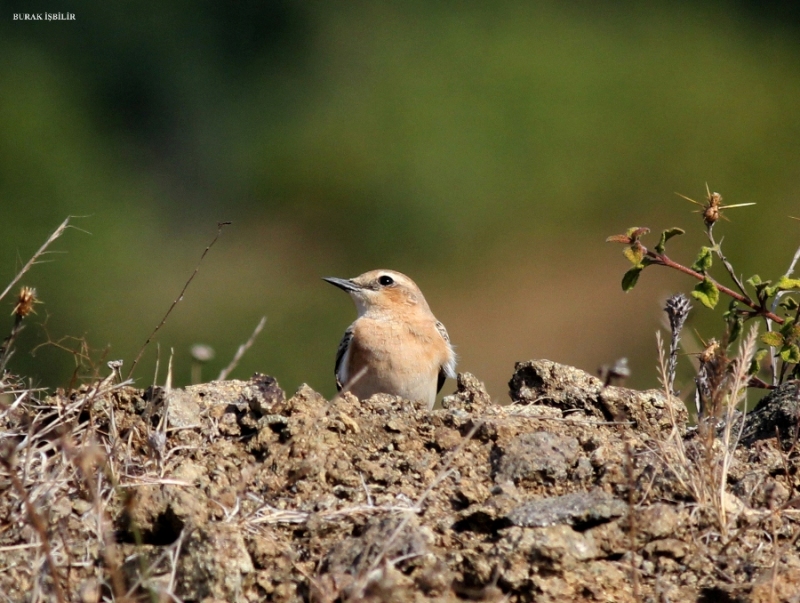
{"points": [[663, 260]]}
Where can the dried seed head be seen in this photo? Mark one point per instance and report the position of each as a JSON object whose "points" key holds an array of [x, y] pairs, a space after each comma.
{"points": [[677, 309], [713, 210], [25, 301], [709, 353], [711, 215]]}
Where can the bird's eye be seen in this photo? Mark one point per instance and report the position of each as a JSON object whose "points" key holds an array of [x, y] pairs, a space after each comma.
{"points": [[386, 280]]}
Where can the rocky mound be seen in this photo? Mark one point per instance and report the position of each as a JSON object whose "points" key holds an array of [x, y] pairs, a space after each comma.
{"points": [[229, 491]]}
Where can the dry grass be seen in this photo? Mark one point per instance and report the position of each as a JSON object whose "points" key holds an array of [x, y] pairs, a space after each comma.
{"points": [[702, 470], [58, 459]]}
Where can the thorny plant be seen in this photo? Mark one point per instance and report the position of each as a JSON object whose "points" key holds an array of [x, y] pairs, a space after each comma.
{"points": [[701, 466], [753, 298]]}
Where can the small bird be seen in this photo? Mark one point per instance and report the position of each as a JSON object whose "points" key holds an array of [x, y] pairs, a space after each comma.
{"points": [[396, 345]]}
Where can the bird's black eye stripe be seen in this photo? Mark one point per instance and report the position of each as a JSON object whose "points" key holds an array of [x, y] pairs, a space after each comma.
{"points": [[386, 280]]}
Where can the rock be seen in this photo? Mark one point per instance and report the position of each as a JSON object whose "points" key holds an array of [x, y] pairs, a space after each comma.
{"points": [[470, 395], [658, 520], [264, 395], [569, 389], [671, 547], [200, 575], [303, 499], [184, 408], [536, 456], [557, 547], [581, 510], [552, 384], [777, 413], [777, 586], [387, 538]]}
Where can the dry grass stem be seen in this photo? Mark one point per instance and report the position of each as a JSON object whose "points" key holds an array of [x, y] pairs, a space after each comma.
{"points": [[240, 352], [220, 226], [703, 474], [41, 251]]}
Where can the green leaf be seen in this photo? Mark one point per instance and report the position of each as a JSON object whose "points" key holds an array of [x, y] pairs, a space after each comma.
{"points": [[734, 320], [790, 353], [731, 311], [630, 278], [735, 323], [789, 303], [763, 291], [707, 293], [785, 283], [754, 281], [634, 253], [772, 338], [787, 328], [755, 362], [666, 235], [704, 259]]}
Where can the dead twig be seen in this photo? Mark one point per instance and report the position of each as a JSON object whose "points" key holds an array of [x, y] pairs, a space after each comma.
{"points": [[56, 234], [220, 226], [240, 352]]}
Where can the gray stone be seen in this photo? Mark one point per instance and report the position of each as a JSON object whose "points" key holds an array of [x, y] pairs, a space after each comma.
{"points": [[580, 509], [536, 456], [778, 411]]}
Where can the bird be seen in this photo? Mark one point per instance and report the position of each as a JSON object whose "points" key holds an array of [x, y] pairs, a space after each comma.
{"points": [[396, 345]]}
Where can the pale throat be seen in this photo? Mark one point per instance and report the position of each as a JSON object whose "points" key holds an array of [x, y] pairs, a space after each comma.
{"points": [[376, 311]]}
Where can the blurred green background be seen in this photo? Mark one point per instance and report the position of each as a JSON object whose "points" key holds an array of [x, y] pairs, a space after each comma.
{"points": [[486, 149]]}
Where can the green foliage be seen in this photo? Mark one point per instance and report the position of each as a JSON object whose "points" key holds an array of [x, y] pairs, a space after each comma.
{"points": [[790, 353], [704, 260], [735, 322], [755, 363], [707, 292], [631, 277], [666, 235], [789, 329], [772, 338], [784, 333], [784, 284], [634, 253], [635, 232]]}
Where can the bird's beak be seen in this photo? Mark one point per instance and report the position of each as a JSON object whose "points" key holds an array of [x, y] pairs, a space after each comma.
{"points": [[342, 283]]}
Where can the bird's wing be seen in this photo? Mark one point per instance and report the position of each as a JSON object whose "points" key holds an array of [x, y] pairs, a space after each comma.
{"points": [[449, 369], [340, 368]]}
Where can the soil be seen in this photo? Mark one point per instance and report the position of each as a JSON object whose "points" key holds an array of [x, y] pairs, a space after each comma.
{"points": [[232, 491]]}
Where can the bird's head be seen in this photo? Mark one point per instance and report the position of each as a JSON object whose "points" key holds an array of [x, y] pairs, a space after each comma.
{"points": [[381, 291]]}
